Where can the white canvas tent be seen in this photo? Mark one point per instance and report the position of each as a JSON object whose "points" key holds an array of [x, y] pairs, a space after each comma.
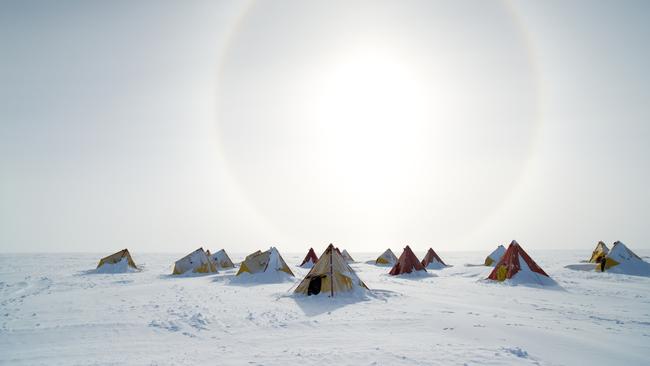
{"points": [[222, 259]]}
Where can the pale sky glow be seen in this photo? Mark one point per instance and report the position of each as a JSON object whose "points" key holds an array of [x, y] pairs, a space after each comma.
{"points": [[457, 124]]}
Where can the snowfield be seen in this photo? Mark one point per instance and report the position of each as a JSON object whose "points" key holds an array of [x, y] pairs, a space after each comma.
{"points": [[54, 309]]}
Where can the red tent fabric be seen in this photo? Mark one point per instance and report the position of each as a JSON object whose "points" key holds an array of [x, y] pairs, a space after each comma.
{"points": [[430, 256], [311, 255], [406, 263], [510, 264]]}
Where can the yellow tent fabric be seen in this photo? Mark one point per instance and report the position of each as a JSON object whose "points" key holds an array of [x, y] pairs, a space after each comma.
{"points": [[387, 257], [330, 275], [197, 262], [270, 260], [502, 272], [117, 257], [598, 253]]}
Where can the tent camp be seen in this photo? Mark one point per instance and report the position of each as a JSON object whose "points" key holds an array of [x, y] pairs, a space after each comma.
{"points": [[195, 262], [622, 260], [519, 268], [598, 253], [222, 260], [406, 263], [310, 259], [117, 262], [387, 258], [432, 261], [347, 256], [269, 261], [330, 275], [495, 256]]}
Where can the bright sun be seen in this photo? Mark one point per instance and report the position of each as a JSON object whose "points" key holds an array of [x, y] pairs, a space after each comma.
{"points": [[370, 113]]}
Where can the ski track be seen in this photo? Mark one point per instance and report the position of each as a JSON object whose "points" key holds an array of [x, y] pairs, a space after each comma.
{"points": [[55, 310]]}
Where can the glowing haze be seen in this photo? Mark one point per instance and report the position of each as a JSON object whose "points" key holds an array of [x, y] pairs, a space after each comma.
{"points": [[459, 125]]}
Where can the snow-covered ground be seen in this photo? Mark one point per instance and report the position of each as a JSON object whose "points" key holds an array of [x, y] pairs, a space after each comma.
{"points": [[55, 310]]}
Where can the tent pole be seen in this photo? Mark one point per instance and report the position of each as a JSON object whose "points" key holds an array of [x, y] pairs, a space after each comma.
{"points": [[331, 273]]}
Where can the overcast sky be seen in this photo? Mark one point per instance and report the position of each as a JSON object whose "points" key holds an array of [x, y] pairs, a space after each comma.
{"points": [[461, 125]]}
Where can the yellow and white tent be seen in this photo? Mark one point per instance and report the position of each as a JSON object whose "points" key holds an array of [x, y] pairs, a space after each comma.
{"points": [[495, 256], [261, 262], [598, 253], [197, 262], [117, 258], [222, 259], [330, 275], [622, 260], [387, 258]]}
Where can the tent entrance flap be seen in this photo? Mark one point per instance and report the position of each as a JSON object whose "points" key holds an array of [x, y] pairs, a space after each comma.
{"points": [[315, 285], [502, 272]]}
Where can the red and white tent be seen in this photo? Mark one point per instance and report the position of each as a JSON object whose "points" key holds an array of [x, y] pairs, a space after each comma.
{"points": [[310, 259], [407, 263], [432, 261], [518, 267]]}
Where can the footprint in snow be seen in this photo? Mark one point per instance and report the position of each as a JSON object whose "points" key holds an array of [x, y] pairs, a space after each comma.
{"points": [[516, 351]]}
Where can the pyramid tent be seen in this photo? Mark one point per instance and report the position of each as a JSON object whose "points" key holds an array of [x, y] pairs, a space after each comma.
{"points": [[406, 263], [622, 260], [387, 257], [222, 259], [196, 262], [330, 275], [347, 256], [310, 259], [598, 253], [264, 262], [432, 261], [495, 256], [518, 266], [123, 256]]}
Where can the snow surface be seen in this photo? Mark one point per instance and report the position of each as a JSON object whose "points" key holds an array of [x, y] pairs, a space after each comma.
{"points": [[266, 277], [53, 310]]}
